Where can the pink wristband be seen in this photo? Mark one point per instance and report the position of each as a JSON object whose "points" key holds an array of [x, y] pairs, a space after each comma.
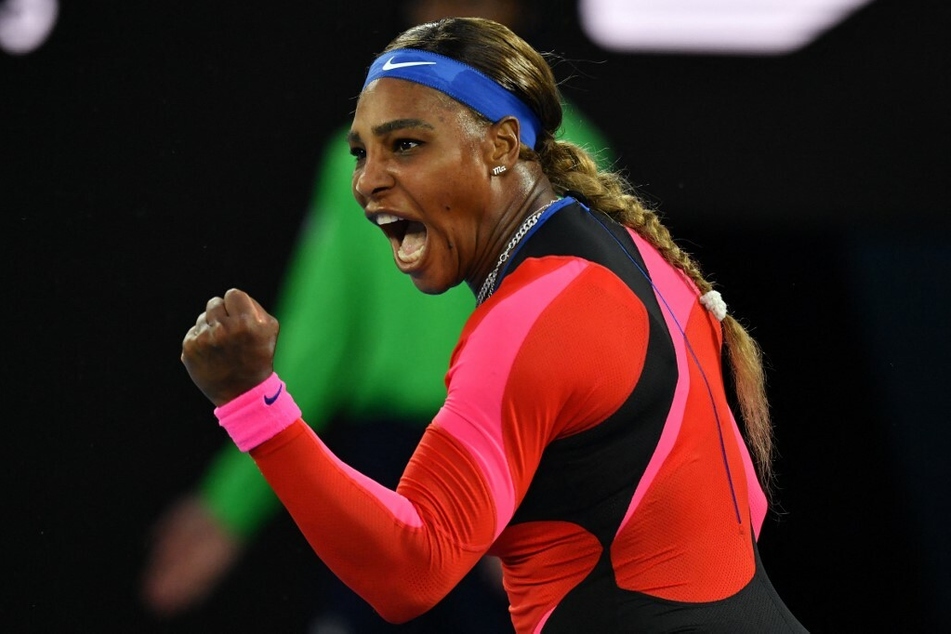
{"points": [[259, 414]]}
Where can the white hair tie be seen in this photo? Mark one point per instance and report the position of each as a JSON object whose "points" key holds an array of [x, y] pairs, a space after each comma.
{"points": [[713, 301]]}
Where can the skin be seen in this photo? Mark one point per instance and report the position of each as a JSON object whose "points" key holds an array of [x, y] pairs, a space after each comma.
{"points": [[190, 552], [230, 349], [428, 159], [421, 156]]}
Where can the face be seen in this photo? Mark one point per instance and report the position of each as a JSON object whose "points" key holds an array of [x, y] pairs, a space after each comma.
{"points": [[422, 176]]}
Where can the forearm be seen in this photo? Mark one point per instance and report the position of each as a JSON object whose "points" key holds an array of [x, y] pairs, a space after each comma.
{"points": [[403, 550]]}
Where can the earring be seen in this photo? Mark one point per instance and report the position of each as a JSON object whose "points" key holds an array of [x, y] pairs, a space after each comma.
{"points": [[498, 169]]}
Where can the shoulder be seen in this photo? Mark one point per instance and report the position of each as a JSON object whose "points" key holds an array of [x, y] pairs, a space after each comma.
{"points": [[558, 322], [548, 302], [560, 283]]}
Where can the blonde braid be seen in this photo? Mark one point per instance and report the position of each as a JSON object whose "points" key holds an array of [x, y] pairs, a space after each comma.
{"points": [[749, 381], [570, 168]]}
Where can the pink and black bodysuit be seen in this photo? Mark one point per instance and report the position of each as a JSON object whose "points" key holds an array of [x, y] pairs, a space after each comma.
{"points": [[585, 440]]}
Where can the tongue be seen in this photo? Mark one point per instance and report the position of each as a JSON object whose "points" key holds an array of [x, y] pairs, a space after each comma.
{"points": [[414, 241]]}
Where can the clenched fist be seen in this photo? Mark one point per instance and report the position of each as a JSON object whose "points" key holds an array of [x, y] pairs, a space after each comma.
{"points": [[230, 349]]}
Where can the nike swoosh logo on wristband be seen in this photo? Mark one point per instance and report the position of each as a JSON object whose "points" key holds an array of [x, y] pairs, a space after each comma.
{"points": [[269, 400]]}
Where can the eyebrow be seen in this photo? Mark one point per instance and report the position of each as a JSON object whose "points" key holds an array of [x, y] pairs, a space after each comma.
{"points": [[390, 126]]}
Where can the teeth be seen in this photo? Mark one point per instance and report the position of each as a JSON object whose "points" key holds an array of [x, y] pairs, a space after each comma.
{"points": [[386, 219]]}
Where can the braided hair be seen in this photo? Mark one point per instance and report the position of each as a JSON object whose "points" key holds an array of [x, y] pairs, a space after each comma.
{"points": [[499, 53]]}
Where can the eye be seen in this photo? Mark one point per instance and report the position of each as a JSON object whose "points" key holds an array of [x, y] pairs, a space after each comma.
{"points": [[358, 153], [405, 145]]}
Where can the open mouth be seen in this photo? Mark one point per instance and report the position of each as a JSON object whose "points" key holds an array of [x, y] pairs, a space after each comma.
{"points": [[408, 237]]}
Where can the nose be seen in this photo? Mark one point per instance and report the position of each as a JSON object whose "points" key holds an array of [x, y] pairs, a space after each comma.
{"points": [[371, 177]]}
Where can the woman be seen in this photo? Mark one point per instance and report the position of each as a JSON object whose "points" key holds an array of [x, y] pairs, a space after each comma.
{"points": [[586, 438]]}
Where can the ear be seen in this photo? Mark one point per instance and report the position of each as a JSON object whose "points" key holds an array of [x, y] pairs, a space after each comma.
{"points": [[505, 145]]}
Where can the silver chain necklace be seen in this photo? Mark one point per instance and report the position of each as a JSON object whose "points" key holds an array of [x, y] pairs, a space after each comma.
{"points": [[488, 286]]}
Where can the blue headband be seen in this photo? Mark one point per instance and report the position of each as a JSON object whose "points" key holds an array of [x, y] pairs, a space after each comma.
{"points": [[461, 82]]}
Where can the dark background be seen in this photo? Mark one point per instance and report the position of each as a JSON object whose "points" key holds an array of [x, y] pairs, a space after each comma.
{"points": [[156, 154]]}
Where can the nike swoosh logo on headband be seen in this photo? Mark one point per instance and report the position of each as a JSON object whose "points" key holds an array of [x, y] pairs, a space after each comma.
{"points": [[389, 65]]}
